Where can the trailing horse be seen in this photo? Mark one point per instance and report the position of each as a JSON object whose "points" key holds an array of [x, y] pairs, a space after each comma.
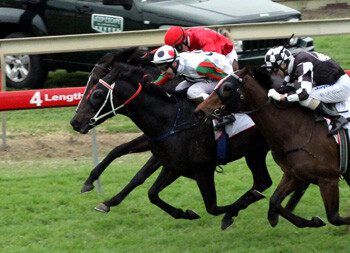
{"points": [[300, 146]]}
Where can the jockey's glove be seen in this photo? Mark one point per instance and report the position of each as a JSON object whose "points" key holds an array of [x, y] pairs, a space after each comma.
{"points": [[285, 89], [274, 95]]}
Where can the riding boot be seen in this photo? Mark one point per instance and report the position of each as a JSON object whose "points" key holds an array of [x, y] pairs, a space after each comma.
{"points": [[225, 121], [338, 121]]}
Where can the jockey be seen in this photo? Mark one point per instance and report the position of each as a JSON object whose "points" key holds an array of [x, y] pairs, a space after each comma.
{"points": [[200, 38], [312, 79], [201, 70]]}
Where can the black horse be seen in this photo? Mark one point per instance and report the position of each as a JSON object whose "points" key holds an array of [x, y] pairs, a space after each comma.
{"points": [[142, 59], [181, 146], [300, 146]]}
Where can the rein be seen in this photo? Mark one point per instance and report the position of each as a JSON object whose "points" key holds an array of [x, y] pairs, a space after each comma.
{"points": [[259, 108], [175, 129], [302, 148], [109, 97]]}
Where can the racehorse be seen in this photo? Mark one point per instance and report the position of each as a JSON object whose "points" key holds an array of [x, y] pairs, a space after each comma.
{"points": [[248, 144], [299, 145], [139, 144]]}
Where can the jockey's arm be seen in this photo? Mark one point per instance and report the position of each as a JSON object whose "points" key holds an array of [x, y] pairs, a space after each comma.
{"points": [[304, 73], [162, 79], [209, 69]]}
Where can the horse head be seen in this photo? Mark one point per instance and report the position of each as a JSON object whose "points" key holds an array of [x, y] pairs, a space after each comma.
{"points": [[94, 108], [226, 97]]}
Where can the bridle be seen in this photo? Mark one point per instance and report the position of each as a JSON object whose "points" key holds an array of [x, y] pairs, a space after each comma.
{"points": [[109, 98], [217, 112], [106, 70]]}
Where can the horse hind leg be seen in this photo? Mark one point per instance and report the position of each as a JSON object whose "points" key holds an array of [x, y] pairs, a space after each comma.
{"points": [[286, 186], [139, 144], [165, 178], [262, 180], [330, 195]]}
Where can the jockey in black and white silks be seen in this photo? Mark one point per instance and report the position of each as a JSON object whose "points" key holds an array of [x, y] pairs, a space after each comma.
{"points": [[311, 79]]}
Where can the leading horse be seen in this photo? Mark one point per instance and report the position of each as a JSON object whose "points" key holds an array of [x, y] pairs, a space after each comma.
{"points": [[299, 145]]}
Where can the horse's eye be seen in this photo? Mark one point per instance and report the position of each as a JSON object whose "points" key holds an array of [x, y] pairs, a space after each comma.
{"points": [[97, 97], [227, 88]]}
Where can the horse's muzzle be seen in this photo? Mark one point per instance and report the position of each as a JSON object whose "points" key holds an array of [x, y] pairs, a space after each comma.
{"points": [[77, 126], [199, 115]]}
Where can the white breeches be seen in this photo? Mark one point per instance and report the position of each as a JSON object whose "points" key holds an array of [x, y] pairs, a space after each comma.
{"points": [[232, 56], [335, 93], [197, 90]]}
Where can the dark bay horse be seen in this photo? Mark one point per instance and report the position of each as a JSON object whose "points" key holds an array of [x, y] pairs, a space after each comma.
{"points": [[300, 146], [250, 140]]}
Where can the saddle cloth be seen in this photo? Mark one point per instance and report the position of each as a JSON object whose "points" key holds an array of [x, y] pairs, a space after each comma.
{"points": [[242, 123]]}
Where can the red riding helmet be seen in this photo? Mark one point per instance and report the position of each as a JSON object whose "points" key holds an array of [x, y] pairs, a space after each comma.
{"points": [[174, 36]]}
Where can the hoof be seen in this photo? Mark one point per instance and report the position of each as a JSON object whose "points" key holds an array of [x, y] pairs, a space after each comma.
{"points": [[87, 188], [318, 221], [226, 222], [273, 219], [102, 208], [192, 214]]}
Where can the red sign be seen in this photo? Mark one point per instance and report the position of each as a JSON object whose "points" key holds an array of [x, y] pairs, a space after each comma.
{"points": [[35, 99]]}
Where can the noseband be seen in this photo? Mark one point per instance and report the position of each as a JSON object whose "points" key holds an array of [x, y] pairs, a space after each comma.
{"points": [[109, 98]]}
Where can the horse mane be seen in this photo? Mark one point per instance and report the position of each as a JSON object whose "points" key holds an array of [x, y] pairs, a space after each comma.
{"points": [[263, 77], [141, 58], [136, 74]]}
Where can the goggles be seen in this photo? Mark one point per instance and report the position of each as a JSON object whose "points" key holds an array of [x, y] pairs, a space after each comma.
{"points": [[274, 68], [179, 47], [164, 66]]}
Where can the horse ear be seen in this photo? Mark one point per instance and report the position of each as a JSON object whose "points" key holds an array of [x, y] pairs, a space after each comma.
{"points": [[125, 54], [263, 77], [243, 72]]}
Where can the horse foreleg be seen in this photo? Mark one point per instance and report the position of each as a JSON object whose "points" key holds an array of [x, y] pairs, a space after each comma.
{"points": [[165, 178], [140, 144], [330, 195], [262, 180], [287, 185], [146, 171]]}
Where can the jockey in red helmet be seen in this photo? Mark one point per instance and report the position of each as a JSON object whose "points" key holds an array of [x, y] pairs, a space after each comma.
{"points": [[199, 38]]}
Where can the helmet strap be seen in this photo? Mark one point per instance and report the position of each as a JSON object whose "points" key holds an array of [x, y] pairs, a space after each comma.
{"points": [[174, 69], [185, 41], [285, 69]]}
